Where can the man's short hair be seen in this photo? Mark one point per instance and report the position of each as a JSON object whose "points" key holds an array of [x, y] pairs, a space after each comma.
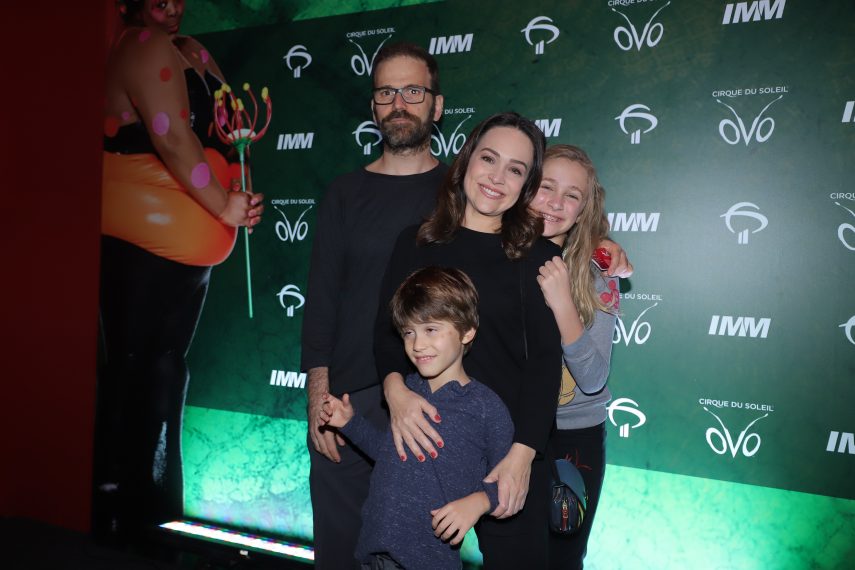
{"points": [[436, 294], [406, 49]]}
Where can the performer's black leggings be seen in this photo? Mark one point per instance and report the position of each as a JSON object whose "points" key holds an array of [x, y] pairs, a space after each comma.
{"points": [[149, 310]]}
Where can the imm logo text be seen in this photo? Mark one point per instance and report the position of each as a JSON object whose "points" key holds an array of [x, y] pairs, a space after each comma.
{"points": [[738, 12], [841, 443], [550, 127], [295, 141], [726, 325], [451, 44], [287, 379], [633, 221]]}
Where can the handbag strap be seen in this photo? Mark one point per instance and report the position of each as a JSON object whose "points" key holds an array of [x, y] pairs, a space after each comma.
{"points": [[520, 264], [551, 453]]}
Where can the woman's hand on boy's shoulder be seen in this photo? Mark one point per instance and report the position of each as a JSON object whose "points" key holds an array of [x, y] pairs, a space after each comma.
{"points": [[409, 413]]}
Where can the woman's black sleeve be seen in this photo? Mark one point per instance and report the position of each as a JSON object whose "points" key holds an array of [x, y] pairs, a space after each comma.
{"points": [[388, 347]]}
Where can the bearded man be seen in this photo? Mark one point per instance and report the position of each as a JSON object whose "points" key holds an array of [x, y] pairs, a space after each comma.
{"points": [[360, 218]]}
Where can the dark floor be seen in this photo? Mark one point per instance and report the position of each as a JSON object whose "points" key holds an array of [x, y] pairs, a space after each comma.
{"points": [[29, 545]]}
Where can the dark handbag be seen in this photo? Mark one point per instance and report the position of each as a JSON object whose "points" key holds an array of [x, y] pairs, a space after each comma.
{"points": [[569, 498]]}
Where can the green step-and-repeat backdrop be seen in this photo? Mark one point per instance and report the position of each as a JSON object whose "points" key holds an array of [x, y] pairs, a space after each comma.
{"points": [[724, 133]]}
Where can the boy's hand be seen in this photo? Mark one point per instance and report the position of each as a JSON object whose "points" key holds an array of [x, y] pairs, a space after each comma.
{"points": [[325, 441], [335, 412], [455, 519], [512, 474]]}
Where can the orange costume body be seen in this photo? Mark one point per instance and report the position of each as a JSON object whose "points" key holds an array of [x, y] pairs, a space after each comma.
{"points": [[143, 204]]}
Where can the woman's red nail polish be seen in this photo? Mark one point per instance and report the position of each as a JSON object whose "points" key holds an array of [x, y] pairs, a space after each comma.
{"points": [[437, 418], [439, 443], [421, 457], [403, 458], [433, 454]]}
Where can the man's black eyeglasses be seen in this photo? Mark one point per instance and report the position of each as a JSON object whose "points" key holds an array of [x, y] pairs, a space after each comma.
{"points": [[411, 94]]}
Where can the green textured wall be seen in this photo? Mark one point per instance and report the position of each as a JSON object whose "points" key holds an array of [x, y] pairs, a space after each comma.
{"points": [[203, 16], [732, 467]]}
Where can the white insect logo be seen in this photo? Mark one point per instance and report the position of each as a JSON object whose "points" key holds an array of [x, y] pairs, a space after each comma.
{"points": [[847, 328], [736, 210], [294, 292], [298, 51], [619, 405], [636, 112], [540, 23], [371, 128]]}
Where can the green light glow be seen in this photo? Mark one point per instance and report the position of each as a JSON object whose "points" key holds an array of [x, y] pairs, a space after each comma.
{"points": [[253, 472], [650, 519], [247, 470]]}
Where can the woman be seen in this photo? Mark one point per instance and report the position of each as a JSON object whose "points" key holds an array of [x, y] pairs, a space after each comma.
{"points": [[570, 201], [166, 219], [483, 225]]}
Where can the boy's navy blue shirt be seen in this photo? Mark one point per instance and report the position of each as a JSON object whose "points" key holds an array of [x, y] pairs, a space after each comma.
{"points": [[476, 431]]}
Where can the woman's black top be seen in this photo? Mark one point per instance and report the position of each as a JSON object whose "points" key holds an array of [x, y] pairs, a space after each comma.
{"points": [[517, 349]]}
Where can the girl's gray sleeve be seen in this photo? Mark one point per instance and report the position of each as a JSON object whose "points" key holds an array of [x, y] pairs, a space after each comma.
{"points": [[588, 358]]}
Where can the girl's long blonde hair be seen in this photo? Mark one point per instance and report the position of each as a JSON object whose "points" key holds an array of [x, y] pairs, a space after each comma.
{"points": [[590, 228]]}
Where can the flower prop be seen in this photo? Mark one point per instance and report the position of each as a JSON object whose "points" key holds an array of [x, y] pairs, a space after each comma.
{"points": [[235, 127]]}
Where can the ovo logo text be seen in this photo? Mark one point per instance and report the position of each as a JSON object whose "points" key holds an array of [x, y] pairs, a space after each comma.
{"points": [[843, 228], [626, 38], [360, 63], [452, 145], [288, 233], [725, 442], [638, 331], [733, 132]]}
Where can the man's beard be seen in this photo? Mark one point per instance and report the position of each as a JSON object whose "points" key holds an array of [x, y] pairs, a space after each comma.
{"points": [[402, 138]]}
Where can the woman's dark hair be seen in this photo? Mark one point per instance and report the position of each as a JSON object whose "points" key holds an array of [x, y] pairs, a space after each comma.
{"points": [[520, 227], [130, 10]]}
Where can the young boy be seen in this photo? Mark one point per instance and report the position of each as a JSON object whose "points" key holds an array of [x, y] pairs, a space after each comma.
{"points": [[417, 511]]}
